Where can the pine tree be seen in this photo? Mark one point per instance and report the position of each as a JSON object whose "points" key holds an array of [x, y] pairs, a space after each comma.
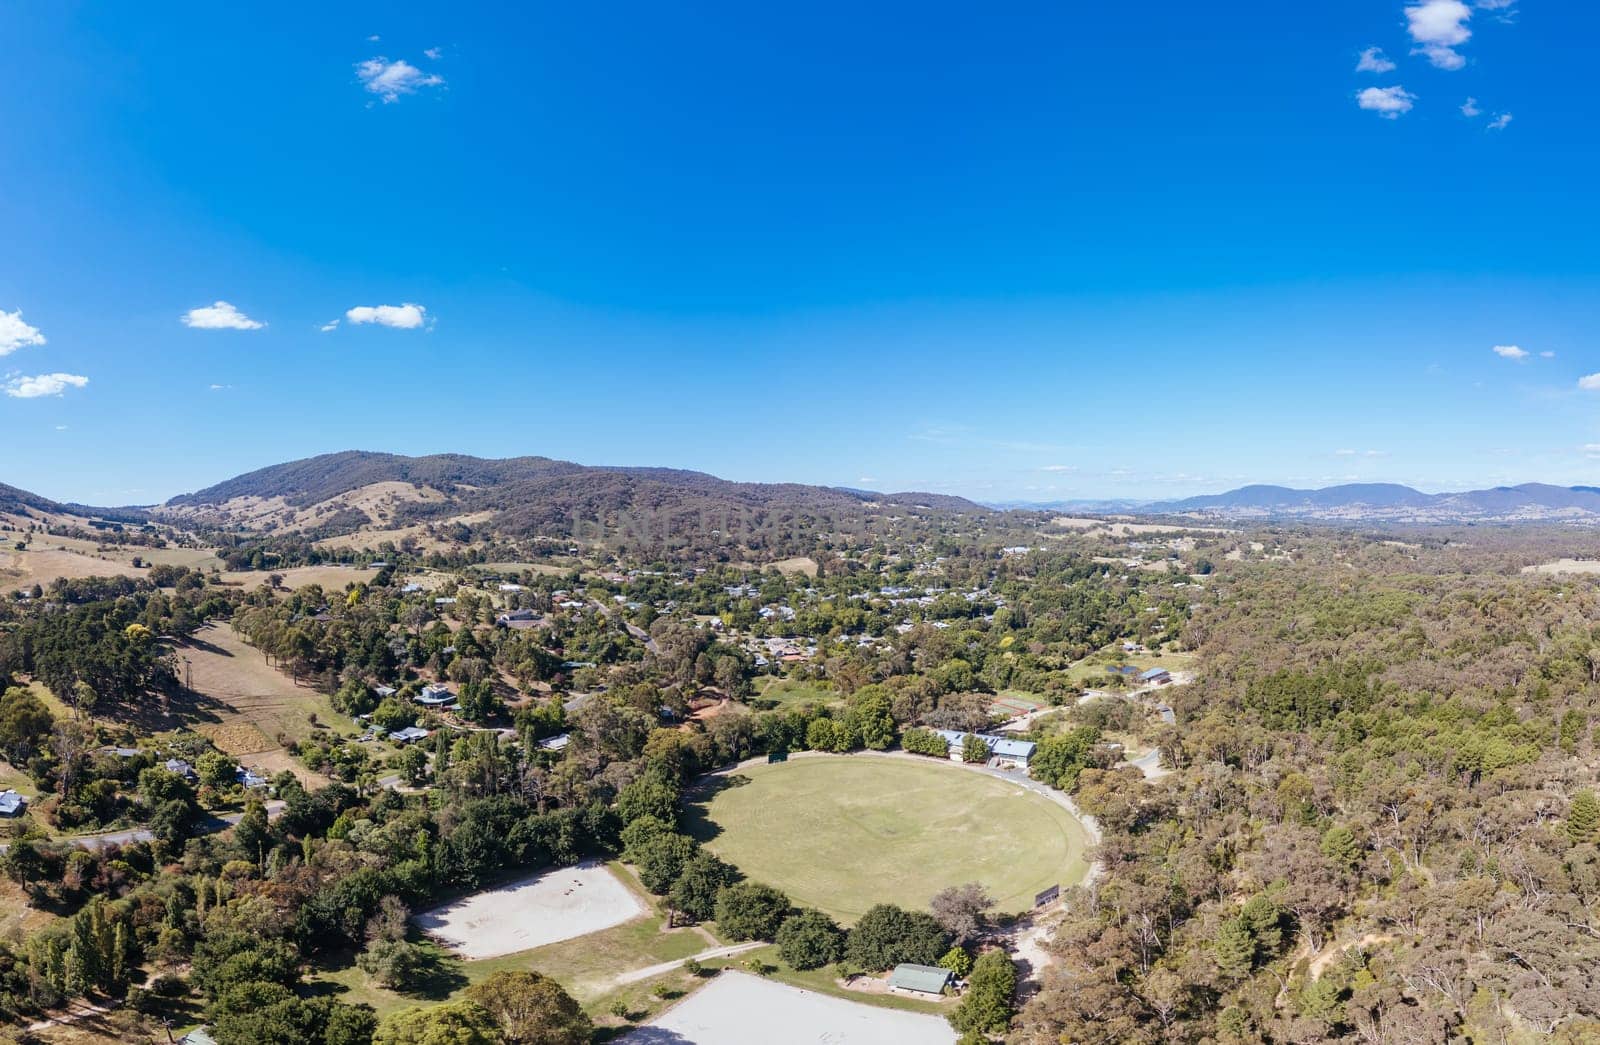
{"points": [[1583, 818], [1235, 948]]}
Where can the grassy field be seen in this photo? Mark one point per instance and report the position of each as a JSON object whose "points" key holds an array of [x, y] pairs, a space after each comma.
{"points": [[790, 692], [842, 834], [243, 704], [1091, 670], [50, 557]]}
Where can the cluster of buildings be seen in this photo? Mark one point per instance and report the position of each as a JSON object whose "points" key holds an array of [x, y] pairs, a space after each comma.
{"points": [[1004, 752]]}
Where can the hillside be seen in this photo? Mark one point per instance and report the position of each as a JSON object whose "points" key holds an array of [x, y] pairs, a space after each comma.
{"points": [[1393, 502], [352, 492]]}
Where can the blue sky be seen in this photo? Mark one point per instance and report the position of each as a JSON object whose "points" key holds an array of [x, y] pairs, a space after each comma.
{"points": [[1048, 252]]}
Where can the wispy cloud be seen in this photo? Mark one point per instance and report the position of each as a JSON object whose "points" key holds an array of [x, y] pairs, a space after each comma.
{"points": [[1437, 28], [433, 53], [332, 324], [15, 334], [1511, 352], [1500, 122], [219, 316], [1388, 102], [1059, 468], [1373, 60], [1469, 108], [220, 388], [1547, 354], [1361, 453], [389, 80], [43, 385], [401, 317]]}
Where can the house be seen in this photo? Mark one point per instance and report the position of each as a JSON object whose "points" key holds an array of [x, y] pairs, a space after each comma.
{"points": [[555, 743], [11, 803], [435, 696], [182, 768], [926, 980], [1156, 677], [384, 692], [409, 734], [249, 778], [517, 619]]}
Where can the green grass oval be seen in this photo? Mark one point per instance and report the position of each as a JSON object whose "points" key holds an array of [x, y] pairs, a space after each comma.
{"points": [[843, 833]]}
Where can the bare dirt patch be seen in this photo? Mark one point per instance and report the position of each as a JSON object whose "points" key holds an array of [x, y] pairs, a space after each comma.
{"points": [[551, 906], [735, 1009]]}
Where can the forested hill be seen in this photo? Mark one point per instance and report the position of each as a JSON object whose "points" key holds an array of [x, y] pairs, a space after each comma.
{"points": [[20, 502], [524, 496]]}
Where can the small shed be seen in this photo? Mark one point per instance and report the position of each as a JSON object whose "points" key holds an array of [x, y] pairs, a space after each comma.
{"points": [[11, 803], [920, 979]]}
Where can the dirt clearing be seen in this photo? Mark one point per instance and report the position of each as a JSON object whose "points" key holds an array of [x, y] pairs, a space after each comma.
{"points": [[736, 1008], [551, 906]]}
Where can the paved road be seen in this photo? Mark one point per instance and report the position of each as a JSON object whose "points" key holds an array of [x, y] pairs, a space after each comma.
{"points": [[633, 629], [635, 975], [210, 825], [1150, 764]]}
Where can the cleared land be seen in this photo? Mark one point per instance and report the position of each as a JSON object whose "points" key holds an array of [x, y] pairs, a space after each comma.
{"points": [[735, 1009], [1565, 566], [790, 692], [546, 908], [844, 833], [244, 704]]}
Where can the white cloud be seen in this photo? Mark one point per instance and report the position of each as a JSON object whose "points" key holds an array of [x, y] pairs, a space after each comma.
{"points": [[1373, 60], [15, 334], [389, 80], [1470, 108], [1589, 382], [1059, 468], [401, 317], [1438, 27], [332, 324], [434, 53], [220, 388], [1388, 102], [1510, 352], [1500, 121], [1361, 453], [43, 385], [219, 316], [1547, 354]]}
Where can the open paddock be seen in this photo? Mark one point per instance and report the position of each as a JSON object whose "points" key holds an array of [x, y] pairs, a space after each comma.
{"points": [[737, 1008], [554, 905]]}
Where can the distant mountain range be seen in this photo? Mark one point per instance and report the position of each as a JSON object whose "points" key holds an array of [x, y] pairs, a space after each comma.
{"points": [[1374, 501]]}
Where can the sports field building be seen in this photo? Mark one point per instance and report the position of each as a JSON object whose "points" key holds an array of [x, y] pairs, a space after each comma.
{"points": [[926, 980], [1004, 752]]}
